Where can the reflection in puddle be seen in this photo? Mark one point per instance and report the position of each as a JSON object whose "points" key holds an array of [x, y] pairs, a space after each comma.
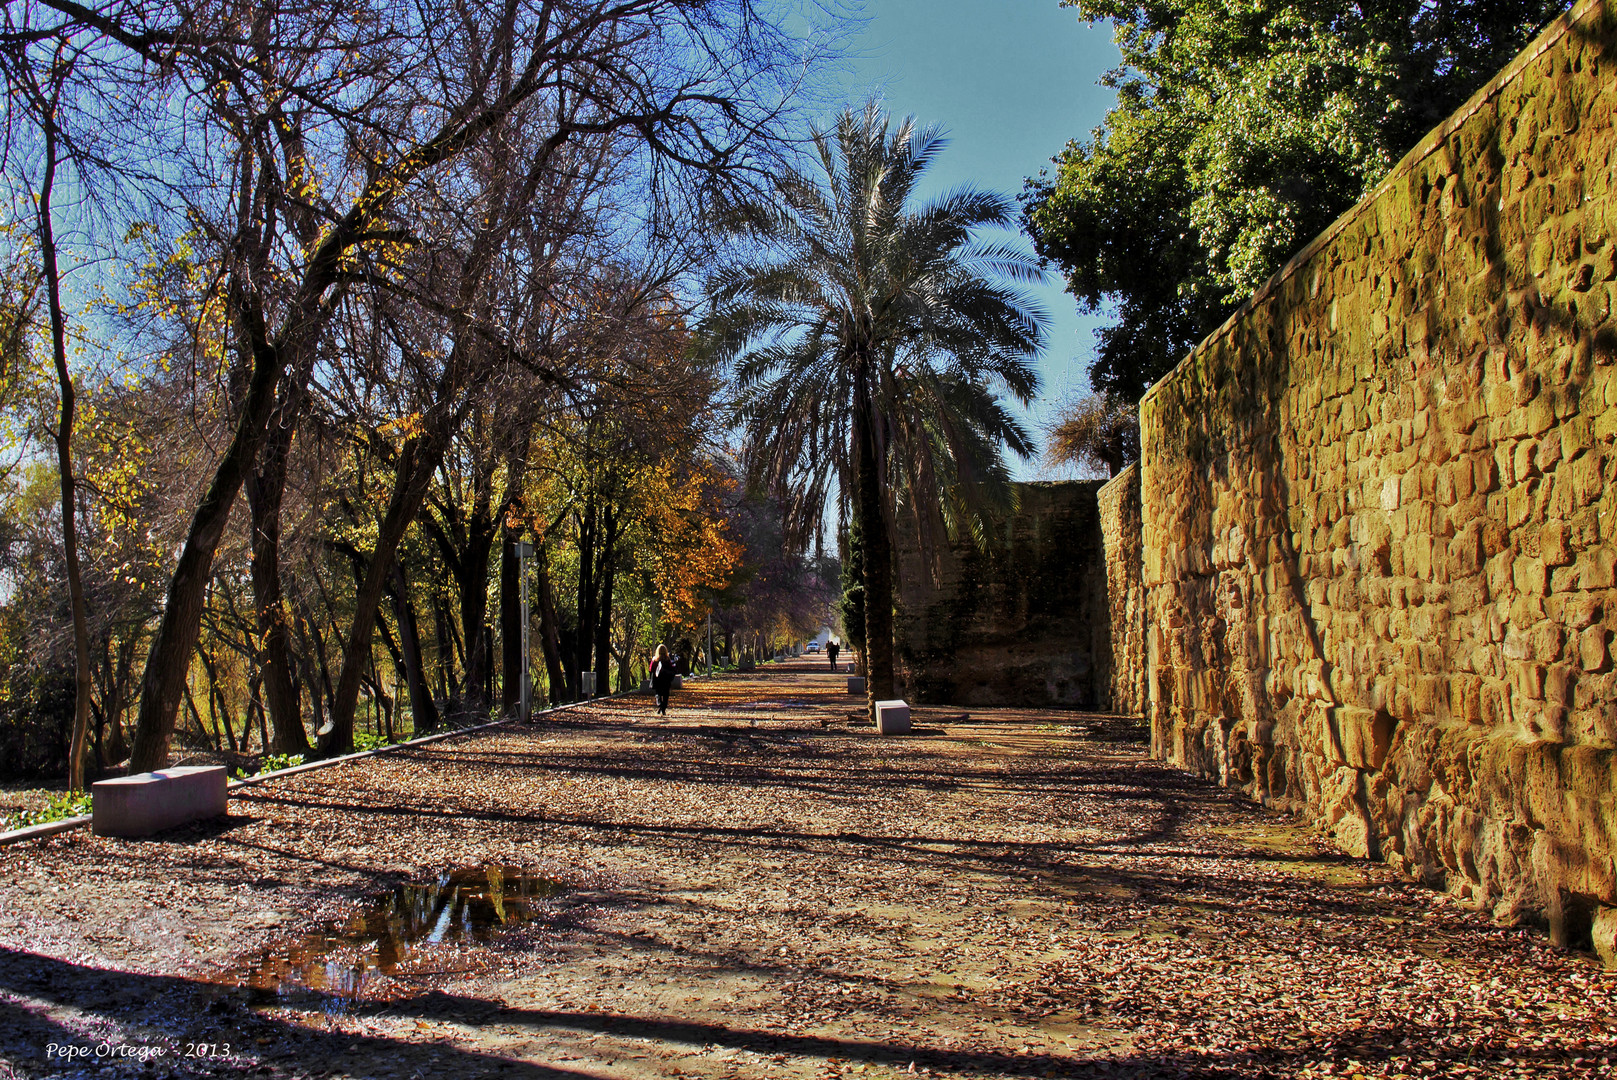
{"points": [[392, 938]]}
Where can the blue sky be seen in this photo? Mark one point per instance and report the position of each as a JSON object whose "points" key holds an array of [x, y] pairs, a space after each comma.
{"points": [[1011, 81]]}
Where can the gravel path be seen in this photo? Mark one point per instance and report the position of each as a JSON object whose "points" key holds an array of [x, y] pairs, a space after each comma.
{"points": [[755, 887]]}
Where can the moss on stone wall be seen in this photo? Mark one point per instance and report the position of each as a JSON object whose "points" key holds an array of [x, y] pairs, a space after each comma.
{"points": [[1379, 509]]}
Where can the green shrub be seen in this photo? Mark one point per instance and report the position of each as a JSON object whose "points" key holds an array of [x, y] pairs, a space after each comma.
{"points": [[60, 807], [271, 763]]}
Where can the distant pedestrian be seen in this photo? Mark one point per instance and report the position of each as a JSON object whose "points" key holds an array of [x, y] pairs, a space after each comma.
{"points": [[662, 678], [831, 650]]}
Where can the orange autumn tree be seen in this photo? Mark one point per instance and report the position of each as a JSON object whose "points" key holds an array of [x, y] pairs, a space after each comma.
{"points": [[693, 552]]}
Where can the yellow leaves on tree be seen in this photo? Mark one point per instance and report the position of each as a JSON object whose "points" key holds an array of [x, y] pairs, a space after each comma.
{"points": [[693, 556]]}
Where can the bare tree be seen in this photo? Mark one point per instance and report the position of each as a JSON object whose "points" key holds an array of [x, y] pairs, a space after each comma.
{"points": [[332, 118], [38, 69], [1096, 430]]}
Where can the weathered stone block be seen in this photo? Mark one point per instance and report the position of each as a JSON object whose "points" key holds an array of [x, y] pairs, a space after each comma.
{"points": [[152, 802], [1363, 735], [856, 685], [1592, 650], [1604, 932], [1597, 568], [1552, 545], [892, 717]]}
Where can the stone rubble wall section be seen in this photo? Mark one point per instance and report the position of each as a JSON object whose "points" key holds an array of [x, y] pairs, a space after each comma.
{"points": [[1119, 504], [1380, 510]]}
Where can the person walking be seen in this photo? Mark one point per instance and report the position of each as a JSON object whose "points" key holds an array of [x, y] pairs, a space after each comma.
{"points": [[831, 650], [662, 678]]}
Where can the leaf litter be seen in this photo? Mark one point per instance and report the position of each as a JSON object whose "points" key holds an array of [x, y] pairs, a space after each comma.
{"points": [[754, 887]]}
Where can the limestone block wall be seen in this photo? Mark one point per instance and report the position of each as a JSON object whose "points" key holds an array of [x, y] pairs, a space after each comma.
{"points": [[1119, 505], [1379, 509], [1024, 623]]}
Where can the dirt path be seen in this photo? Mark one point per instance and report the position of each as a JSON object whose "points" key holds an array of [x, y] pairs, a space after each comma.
{"points": [[755, 888]]}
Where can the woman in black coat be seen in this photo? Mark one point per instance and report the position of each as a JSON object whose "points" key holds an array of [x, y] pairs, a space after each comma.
{"points": [[662, 678]]}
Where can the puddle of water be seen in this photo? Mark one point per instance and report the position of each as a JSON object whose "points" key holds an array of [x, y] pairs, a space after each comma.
{"points": [[398, 937]]}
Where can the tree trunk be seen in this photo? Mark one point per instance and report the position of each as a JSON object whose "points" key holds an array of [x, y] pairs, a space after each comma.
{"points": [[480, 534], [115, 748], [878, 554], [511, 658], [396, 659], [311, 673], [446, 637], [583, 643], [549, 631], [64, 464], [417, 462], [218, 710], [196, 717], [255, 708], [265, 488], [181, 624], [603, 621], [510, 627], [423, 710]]}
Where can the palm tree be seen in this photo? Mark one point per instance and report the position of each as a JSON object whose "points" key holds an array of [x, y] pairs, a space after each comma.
{"points": [[867, 346]]}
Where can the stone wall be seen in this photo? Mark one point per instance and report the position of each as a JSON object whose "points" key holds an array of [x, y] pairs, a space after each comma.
{"points": [[1380, 510], [1119, 505], [1023, 623]]}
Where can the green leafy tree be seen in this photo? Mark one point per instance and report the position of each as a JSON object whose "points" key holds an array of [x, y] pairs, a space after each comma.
{"points": [[1242, 129], [868, 344]]}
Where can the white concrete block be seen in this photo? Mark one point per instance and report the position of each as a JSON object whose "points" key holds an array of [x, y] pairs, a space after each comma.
{"points": [[892, 717], [148, 803], [856, 685]]}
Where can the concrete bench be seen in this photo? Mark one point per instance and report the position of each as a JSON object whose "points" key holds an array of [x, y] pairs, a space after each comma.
{"points": [[856, 684], [148, 803], [892, 717]]}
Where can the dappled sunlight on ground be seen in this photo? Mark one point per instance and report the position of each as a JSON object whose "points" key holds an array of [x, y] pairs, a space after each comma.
{"points": [[760, 885]]}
